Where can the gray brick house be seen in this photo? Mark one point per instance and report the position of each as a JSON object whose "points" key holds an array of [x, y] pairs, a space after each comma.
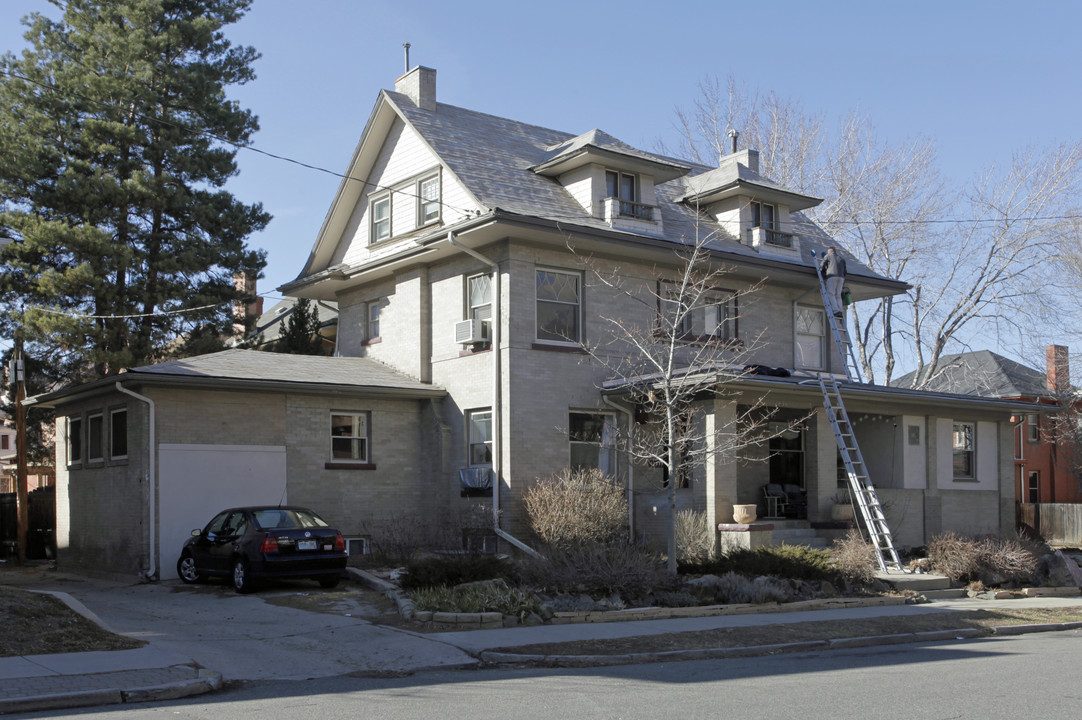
{"points": [[459, 376]]}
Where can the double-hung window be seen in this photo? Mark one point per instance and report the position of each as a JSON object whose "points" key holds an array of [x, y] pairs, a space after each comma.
{"points": [[75, 440], [963, 440], [94, 438], [559, 306], [118, 434], [721, 317], [372, 313], [479, 302], [1033, 422], [380, 211], [479, 437], [810, 340], [592, 440], [350, 436], [428, 200]]}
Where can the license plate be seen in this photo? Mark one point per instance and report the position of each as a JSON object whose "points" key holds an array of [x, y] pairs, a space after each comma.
{"points": [[306, 544]]}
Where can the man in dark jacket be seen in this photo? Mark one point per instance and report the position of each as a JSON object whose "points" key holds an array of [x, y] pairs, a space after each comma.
{"points": [[833, 269]]}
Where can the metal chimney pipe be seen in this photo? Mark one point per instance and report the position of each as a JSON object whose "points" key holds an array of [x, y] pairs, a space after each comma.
{"points": [[407, 47], [733, 135]]}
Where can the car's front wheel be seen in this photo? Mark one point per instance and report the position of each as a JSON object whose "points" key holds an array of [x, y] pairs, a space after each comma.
{"points": [[242, 581], [187, 570]]}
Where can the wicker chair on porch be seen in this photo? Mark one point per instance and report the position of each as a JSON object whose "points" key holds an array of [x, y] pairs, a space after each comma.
{"points": [[777, 502]]}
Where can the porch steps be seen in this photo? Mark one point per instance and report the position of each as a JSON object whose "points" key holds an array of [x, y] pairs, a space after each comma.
{"points": [[930, 585], [797, 532]]}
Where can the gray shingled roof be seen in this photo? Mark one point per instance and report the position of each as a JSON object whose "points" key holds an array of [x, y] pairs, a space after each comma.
{"points": [[350, 372], [493, 157], [985, 374]]}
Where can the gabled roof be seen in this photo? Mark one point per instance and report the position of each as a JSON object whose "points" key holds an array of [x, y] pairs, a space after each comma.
{"points": [[254, 369], [733, 177], [985, 374], [599, 146]]}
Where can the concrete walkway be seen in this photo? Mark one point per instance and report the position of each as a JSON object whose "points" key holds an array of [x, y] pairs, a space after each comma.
{"points": [[199, 638]]}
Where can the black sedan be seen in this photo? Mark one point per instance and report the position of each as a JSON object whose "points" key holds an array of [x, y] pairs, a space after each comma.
{"points": [[252, 543]]}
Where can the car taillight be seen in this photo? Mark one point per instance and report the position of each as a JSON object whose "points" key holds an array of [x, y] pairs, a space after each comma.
{"points": [[270, 545], [339, 542]]}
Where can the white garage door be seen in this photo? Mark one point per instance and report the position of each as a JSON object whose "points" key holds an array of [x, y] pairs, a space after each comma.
{"points": [[197, 481]]}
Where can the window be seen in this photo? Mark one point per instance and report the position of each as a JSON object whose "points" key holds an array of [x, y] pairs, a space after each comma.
{"points": [[786, 453], [963, 440], [118, 434], [624, 188], [372, 311], [479, 437], [349, 436], [1033, 487], [381, 218], [479, 302], [592, 440], [1033, 422], [428, 200], [810, 337], [558, 306], [762, 216], [93, 438], [721, 317], [5, 442], [75, 440], [673, 314]]}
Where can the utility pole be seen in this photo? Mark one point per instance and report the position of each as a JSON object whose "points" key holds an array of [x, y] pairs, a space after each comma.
{"points": [[18, 376]]}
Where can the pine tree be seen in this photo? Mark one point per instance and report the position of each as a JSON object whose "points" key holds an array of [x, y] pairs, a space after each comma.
{"points": [[116, 139], [300, 333]]}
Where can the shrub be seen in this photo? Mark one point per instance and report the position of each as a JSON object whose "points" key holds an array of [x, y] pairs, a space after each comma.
{"points": [[492, 597], [453, 570], [694, 537], [854, 558], [734, 588], [578, 506], [991, 560], [598, 570], [788, 561]]}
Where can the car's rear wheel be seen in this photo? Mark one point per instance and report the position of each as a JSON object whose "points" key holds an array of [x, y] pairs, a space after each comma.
{"points": [[328, 581], [242, 581], [187, 570]]}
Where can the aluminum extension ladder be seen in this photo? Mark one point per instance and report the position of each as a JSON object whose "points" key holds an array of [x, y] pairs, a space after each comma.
{"points": [[840, 332], [860, 487]]}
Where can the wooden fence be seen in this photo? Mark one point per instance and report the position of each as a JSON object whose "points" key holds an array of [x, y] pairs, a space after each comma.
{"points": [[1058, 523]]}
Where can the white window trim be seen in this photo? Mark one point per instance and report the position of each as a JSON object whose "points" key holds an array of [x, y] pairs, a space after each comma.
{"points": [[1033, 427], [470, 415], [972, 451], [582, 331], [607, 452], [367, 437], [369, 306], [78, 435], [100, 457], [823, 352], [484, 317], [373, 201], [113, 414], [421, 221]]}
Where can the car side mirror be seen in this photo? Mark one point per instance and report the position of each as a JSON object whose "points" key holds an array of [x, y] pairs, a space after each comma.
{"points": [[197, 531]]}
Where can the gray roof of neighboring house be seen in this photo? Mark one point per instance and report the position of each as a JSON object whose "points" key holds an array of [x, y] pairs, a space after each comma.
{"points": [[494, 157], [254, 369], [986, 374], [268, 322]]}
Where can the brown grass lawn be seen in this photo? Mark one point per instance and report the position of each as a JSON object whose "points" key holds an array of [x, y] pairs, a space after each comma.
{"points": [[36, 624]]}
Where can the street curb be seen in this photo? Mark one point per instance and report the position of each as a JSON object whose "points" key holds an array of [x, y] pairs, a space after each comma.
{"points": [[570, 661], [207, 681]]}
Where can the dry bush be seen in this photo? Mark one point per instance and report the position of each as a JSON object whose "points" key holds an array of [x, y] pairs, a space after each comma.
{"points": [[397, 539], [991, 560], [597, 570], [854, 557], [733, 588], [694, 537], [577, 506]]}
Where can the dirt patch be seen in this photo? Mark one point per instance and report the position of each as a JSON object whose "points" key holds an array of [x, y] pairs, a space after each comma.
{"points": [[801, 632], [36, 624], [349, 601]]}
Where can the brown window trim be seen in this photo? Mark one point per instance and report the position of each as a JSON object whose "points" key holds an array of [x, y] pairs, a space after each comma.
{"points": [[348, 466], [558, 348], [373, 341]]}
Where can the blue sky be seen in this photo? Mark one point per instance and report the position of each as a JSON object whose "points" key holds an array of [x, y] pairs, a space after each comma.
{"points": [[983, 79]]}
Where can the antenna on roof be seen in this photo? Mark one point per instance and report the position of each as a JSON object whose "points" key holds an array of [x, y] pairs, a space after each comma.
{"points": [[407, 47]]}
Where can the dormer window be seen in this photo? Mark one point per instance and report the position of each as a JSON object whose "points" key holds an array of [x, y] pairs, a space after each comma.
{"points": [[624, 187], [764, 219]]}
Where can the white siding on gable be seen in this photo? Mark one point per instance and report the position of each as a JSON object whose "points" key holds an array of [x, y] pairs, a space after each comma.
{"points": [[403, 160]]}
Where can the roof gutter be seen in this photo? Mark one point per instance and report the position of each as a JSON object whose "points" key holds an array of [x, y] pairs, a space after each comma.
{"points": [[152, 481]]}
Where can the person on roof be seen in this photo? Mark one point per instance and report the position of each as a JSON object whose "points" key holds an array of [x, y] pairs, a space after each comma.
{"points": [[833, 269]]}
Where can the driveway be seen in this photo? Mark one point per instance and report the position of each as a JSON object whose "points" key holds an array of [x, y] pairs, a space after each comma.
{"points": [[253, 637]]}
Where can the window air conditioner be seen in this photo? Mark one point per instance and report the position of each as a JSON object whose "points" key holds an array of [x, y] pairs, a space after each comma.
{"points": [[471, 331]]}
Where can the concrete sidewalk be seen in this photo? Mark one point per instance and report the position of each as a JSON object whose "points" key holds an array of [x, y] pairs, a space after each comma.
{"points": [[233, 628]]}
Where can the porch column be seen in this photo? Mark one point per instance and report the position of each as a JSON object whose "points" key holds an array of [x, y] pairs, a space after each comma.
{"points": [[720, 470], [824, 463]]}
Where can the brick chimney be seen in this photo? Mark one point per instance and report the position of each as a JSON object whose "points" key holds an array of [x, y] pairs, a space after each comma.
{"points": [[419, 84], [1059, 369], [243, 312]]}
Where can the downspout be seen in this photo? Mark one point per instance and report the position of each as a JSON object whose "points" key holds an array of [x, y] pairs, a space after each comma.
{"points": [[152, 480], [497, 415], [630, 466]]}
